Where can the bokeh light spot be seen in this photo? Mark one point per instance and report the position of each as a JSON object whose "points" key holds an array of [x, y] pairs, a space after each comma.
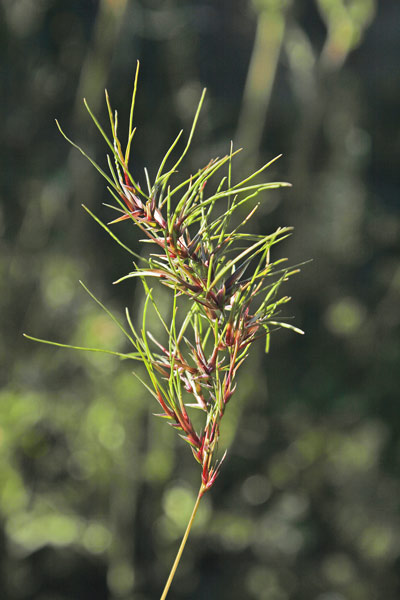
{"points": [[96, 538], [256, 490], [120, 578], [345, 316]]}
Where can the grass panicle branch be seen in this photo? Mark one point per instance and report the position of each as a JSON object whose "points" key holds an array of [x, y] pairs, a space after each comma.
{"points": [[225, 288]]}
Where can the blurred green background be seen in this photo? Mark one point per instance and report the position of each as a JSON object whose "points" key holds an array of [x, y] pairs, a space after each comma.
{"points": [[94, 492]]}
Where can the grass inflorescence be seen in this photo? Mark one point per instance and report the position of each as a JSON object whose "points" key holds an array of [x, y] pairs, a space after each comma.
{"points": [[225, 289]]}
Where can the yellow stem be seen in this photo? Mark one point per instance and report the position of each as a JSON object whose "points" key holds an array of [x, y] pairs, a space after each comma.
{"points": [[182, 546]]}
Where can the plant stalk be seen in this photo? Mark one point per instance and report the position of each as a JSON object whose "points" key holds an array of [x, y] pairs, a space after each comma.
{"points": [[183, 543]]}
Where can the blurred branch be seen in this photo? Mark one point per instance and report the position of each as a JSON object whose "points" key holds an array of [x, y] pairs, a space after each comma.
{"points": [[346, 24], [92, 82], [261, 75], [96, 65], [313, 75]]}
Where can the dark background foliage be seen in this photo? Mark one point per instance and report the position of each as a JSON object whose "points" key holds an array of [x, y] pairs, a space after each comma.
{"points": [[94, 491]]}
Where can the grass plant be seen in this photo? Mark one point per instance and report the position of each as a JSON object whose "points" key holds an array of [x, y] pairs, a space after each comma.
{"points": [[225, 288]]}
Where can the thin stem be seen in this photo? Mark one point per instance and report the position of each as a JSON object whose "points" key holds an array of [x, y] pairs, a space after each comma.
{"points": [[182, 546]]}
